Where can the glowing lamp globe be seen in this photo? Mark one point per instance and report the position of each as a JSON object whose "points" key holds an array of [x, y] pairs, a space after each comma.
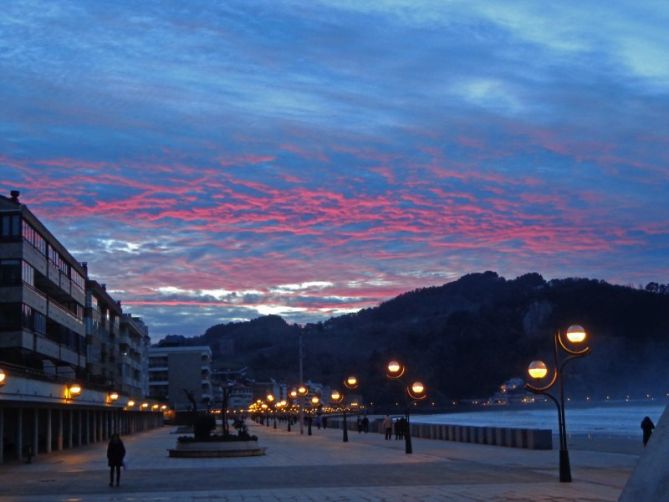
{"points": [[113, 396], [394, 369], [335, 396], [537, 370], [302, 390], [351, 382], [315, 400], [576, 334], [293, 393], [270, 397], [417, 390], [131, 403], [3, 377]]}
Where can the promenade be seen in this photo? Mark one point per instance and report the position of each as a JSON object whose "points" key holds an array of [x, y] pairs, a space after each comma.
{"points": [[321, 468]]}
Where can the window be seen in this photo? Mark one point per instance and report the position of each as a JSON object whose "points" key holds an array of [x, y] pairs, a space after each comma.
{"points": [[10, 272], [10, 226], [77, 279], [10, 316], [33, 237], [26, 316], [39, 323], [27, 274]]}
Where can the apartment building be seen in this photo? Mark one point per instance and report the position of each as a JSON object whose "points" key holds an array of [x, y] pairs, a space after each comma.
{"points": [[42, 296], [103, 332], [177, 372], [69, 358], [134, 346]]}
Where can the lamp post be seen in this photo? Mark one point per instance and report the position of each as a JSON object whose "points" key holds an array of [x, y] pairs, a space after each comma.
{"points": [[292, 396], [337, 397], [3, 377], [351, 382], [272, 404], [265, 412], [415, 391], [302, 392], [315, 401], [538, 370]]}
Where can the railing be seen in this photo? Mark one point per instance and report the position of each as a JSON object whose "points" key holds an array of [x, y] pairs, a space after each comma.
{"points": [[63, 310]]}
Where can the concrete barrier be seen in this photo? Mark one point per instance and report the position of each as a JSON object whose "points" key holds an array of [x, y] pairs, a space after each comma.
{"points": [[533, 439]]}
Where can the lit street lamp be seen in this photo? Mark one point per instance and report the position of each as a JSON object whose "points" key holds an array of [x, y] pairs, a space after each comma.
{"points": [[538, 370], [292, 396], [416, 391], [302, 392], [272, 404], [351, 383]]}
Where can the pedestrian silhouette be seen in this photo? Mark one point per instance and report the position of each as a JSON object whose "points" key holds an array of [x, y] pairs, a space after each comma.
{"points": [[388, 426], [647, 427], [115, 456]]}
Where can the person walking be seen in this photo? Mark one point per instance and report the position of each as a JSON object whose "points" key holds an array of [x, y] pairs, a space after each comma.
{"points": [[115, 456], [647, 427], [388, 427]]}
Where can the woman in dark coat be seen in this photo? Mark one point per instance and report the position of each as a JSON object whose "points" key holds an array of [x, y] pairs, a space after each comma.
{"points": [[115, 456]]}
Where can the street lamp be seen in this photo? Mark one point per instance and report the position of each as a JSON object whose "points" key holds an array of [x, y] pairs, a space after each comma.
{"points": [[292, 396], [3, 377], [416, 391], [538, 370], [271, 403], [302, 391], [337, 397]]}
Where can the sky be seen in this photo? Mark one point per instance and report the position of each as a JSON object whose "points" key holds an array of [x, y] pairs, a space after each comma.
{"points": [[217, 161]]}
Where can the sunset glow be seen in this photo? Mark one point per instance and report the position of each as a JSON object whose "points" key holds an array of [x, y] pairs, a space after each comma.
{"points": [[218, 162]]}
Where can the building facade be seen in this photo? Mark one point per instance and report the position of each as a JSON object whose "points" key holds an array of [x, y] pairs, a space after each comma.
{"points": [[103, 335], [134, 356], [72, 366], [42, 296], [175, 373]]}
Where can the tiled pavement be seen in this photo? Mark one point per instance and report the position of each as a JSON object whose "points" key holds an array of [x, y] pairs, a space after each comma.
{"points": [[319, 468]]}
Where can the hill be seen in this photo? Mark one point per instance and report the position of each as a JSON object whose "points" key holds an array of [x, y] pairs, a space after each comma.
{"points": [[465, 338]]}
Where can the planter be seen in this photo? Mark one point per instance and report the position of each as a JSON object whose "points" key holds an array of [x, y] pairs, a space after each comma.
{"points": [[212, 449]]}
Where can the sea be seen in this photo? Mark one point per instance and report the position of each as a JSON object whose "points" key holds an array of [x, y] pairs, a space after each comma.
{"points": [[597, 419]]}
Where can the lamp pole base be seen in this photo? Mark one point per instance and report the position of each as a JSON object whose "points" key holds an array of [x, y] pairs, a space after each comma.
{"points": [[565, 469]]}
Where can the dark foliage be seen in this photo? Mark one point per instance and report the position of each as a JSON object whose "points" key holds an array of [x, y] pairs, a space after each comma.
{"points": [[465, 338], [203, 424]]}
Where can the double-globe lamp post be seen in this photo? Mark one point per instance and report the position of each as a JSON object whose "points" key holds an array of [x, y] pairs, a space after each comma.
{"points": [[416, 392], [538, 370], [337, 397]]}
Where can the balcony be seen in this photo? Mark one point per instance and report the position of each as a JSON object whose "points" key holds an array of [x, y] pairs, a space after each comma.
{"points": [[65, 317]]}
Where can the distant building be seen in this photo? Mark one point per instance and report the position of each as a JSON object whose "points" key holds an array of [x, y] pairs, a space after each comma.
{"points": [[103, 330], [134, 346], [174, 371]]}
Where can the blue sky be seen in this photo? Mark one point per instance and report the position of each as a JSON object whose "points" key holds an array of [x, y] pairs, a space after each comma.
{"points": [[215, 161]]}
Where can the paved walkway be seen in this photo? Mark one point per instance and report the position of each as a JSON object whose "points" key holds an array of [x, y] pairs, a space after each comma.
{"points": [[319, 468]]}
